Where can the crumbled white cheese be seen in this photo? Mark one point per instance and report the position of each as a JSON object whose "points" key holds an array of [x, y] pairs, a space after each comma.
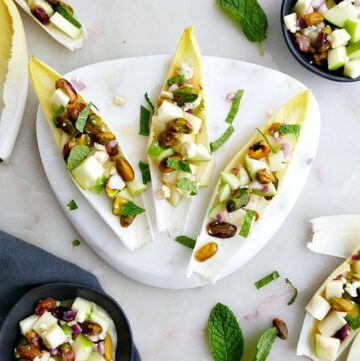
{"points": [[185, 70], [188, 149], [165, 191], [351, 288], [99, 146], [80, 316], [101, 156], [118, 100]]}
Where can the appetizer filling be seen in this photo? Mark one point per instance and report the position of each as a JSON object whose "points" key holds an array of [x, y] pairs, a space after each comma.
{"points": [[92, 153], [328, 33], [70, 330], [176, 149], [255, 177], [336, 310], [56, 13]]}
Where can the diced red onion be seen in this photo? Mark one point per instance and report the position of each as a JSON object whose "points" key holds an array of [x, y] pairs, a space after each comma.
{"points": [[54, 351], [234, 170], [173, 87], [101, 348], [303, 43], [93, 338], [69, 315], [356, 257], [265, 189], [76, 329], [343, 332], [219, 218], [286, 150], [78, 84], [230, 96], [190, 111], [317, 3], [301, 22]]}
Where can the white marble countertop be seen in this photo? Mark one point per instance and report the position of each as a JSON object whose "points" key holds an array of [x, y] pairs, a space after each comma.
{"points": [[170, 325]]}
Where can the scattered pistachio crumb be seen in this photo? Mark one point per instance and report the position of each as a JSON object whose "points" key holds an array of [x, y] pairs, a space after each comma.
{"points": [[118, 100]]}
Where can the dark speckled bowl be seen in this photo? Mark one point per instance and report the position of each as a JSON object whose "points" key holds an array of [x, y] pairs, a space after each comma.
{"points": [[287, 8], [10, 332]]}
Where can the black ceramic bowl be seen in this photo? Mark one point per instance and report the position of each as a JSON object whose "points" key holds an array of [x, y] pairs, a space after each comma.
{"points": [[9, 333], [287, 8]]}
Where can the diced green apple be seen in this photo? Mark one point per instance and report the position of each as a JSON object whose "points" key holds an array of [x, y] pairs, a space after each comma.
{"points": [[352, 26], [59, 98], [318, 307], [135, 187], [82, 348], [204, 172], [339, 37], [326, 348], [334, 289], [353, 50], [202, 154], [88, 172], [338, 14], [157, 152], [83, 306], [54, 337], [168, 111], [237, 217], [230, 179], [42, 4], [277, 161], [170, 178], [290, 22], [352, 68], [254, 165], [243, 177], [332, 323], [101, 320], [65, 26], [194, 121], [224, 192], [175, 196], [301, 7], [27, 323], [336, 58], [217, 209], [124, 193], [67, 330], [44, 323]]}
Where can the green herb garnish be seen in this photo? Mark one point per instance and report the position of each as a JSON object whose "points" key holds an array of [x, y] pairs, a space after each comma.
{"points": [[76, 243], [290, 129], [151, 105], [82, 118], [354, 321], [145, 172], [77, 154], [100, 183], [246, 226], [265, 343], [274, 150], [250, 16], [130, 209], [185, 94], [72, 205], [64, 13], [186, 241], [215, 145], [178, 164], [224, 335], [293, 298], [144, 121], [234, 106], [187, 185], [176, 80], [57, 113], [267, 279]]}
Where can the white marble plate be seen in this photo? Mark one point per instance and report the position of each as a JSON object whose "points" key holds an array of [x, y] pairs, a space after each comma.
{"points": [[163, 263]]}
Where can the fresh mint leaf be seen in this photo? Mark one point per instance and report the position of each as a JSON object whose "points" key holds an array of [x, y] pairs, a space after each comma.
{"points": [[290, 129], [274, 150], [267, 279], [100, 183], [176, 80], [82, 118], [77, 154], [185, 94], [130, 209], [250, 16], [145, 172], [234, 106], [64, 13], [178, 164], [215, 145], [354, 321], [293, 298], [72, 205], [57, 113], [224, 335], [76, 243], [186, 241], [246, 226], [265, 343], [144, 121], [151, 105], [187, 185]]}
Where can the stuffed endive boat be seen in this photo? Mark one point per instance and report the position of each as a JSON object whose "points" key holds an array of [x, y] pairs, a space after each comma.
{"points": [[58, 19], [92, 155], [243, 211], [333, 314], [13, 76], [179, 153]]}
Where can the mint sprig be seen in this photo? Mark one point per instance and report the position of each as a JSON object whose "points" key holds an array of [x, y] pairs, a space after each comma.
{"points": [[234, 106], [354, 321], [186, 241], [295, 294], [188, 185], [100, 183], [290, 129], [131, 209], [246, 226], [82, 118], [265, 343], [176, 80], [64, 13], [144, 121], [77, 155], [267, 279], [145, 172], [224, 335], [72, 205], [216, 144], [178, 164], [57, 113], [151, 105]]}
